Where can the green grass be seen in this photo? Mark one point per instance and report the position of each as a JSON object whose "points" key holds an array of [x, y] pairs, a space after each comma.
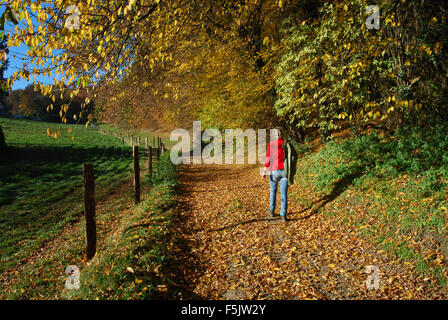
{"points": [[138, 263], [43, 277], [41, 187], [135, 251], [392, 189]]}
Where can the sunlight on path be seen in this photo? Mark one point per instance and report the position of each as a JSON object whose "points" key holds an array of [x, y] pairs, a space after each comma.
{"points": [[237, 252]]}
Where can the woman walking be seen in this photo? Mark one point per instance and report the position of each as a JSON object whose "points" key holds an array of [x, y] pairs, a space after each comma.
{"points": [[281, 159]]}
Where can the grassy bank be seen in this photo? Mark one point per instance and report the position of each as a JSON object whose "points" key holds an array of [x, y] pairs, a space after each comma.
{"points": [[393, 190], [41, 181], [135, 262]]}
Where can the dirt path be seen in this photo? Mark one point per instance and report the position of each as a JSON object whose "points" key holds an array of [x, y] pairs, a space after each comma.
{"points": [[234, 251]]}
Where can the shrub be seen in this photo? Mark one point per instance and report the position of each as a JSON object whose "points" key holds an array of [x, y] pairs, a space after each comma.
{"points": [[165, 172], [413, 150]]}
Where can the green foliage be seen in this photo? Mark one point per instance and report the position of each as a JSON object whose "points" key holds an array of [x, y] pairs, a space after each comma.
{"points": [[303, 148], [137, 265], [335, 68], [392, 190], [164, 172], [339, 162], [413, 150]]}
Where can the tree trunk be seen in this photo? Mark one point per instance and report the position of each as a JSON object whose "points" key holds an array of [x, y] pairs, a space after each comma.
{"points": [[136, 175], [3, 145], [89, 209]]}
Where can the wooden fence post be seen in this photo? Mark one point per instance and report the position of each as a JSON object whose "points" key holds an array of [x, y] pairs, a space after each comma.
{"points": [[136, 175], [146, 142], [89, 209], [150, 160], [3, 145], [162, 149]]}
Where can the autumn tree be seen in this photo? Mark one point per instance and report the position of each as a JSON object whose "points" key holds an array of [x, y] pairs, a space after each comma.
{"points": [[335, 68], [8, 15], [304, 65], [3, 87], [118, 40]]}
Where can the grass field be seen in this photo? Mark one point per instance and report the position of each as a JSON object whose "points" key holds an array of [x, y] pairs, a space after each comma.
{"points": [[41, 181], [138, 259], [41, 211]]}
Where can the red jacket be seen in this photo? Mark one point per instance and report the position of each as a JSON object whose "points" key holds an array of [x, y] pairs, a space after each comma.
{"points": [[275, 155]]}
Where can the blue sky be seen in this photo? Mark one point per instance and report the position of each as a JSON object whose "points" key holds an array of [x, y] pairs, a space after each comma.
{"points": [[16, 62]]}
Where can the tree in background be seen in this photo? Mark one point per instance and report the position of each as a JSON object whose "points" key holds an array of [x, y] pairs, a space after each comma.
{"points": [[31, 103], [305, 65], [166, 54], [8, 15], [4, 62], [335, 69]]}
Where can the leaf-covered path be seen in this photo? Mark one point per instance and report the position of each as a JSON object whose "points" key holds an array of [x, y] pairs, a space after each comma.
{"points": [[234, 251]]}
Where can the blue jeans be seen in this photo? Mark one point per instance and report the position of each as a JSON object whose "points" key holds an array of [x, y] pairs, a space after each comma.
{"points": [[274, 178]]}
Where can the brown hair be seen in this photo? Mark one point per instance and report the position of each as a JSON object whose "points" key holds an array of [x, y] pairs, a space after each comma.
{"points": [[279, 132]]}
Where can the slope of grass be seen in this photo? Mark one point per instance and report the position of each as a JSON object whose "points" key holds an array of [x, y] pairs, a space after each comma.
{"points": [[41, 181], [392, 189], [136, 262]]}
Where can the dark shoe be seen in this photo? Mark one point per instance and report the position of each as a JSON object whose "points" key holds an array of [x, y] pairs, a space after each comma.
{"points": [[271, 213], [284, 219]]}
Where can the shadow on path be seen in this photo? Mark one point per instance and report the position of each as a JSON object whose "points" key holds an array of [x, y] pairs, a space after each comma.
{"points": [[186, 259], [242, 223], [337, 190]]}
